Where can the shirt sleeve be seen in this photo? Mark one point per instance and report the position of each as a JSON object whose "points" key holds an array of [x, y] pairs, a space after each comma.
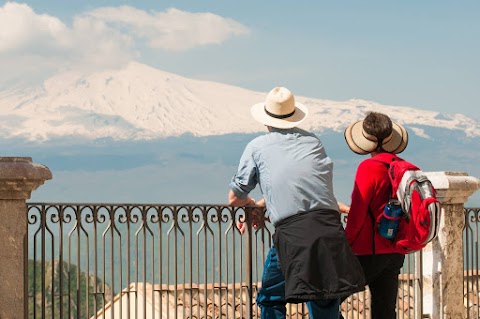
{"points": [[362, 195], [246, 177]]}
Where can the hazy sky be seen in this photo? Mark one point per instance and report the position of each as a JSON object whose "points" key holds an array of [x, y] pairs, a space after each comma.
{"points": [[423, 54]]}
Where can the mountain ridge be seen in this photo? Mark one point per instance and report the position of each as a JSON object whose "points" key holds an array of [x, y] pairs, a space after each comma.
{"points": [[139, 102]]}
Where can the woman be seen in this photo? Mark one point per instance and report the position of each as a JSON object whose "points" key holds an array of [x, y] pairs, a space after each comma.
{"points": [[378, 136]]}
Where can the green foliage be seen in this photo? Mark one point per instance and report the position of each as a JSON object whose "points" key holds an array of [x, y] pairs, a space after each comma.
{"points": [[65, 291]]}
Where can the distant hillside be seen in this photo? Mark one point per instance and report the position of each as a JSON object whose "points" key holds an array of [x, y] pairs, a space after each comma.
{"points": [[140, 102]]}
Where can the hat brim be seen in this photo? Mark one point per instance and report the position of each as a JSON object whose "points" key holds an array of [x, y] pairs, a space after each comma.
{"points": [[360, 144], [259, 114]]}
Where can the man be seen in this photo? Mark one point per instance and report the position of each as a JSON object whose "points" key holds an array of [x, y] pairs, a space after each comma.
{"points": [[310, 260], [378, 136]]}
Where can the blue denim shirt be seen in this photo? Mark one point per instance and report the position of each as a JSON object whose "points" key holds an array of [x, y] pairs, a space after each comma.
{"points": [[293, 171]]}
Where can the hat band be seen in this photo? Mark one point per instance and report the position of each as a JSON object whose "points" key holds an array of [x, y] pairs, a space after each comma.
{"points": [[278, 116]]}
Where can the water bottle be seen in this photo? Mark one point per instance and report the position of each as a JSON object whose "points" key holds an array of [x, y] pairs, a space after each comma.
{"points": [[390, 219]]}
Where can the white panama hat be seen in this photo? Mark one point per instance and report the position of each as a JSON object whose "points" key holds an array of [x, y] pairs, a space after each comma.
{"points": [[362, 142], [279, 109]]}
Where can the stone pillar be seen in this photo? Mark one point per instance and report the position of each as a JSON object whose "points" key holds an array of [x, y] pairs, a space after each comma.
{"points": [[19, 176], [443, 258]]}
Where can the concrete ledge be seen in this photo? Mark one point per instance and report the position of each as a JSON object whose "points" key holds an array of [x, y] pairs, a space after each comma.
{"points": [[19, 176], [453, 187]]}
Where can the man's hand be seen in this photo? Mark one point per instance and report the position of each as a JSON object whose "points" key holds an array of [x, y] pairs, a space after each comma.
{"points": [[343, 208], [257, 217], [241, 227]]}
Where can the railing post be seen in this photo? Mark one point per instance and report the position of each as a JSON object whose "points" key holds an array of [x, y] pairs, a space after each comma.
{"points": [[248, 261], [18, 178], [443, 258]]}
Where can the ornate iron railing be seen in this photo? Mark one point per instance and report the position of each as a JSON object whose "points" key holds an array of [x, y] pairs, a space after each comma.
{"points": [[471, 262], [142, 260], [175, 261]]}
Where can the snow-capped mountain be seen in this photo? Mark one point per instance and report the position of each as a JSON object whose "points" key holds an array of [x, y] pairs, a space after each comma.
{"points": [[141, 102]]}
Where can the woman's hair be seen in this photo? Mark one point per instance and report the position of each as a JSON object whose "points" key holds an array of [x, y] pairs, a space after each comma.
{"points": [[378, 125]]}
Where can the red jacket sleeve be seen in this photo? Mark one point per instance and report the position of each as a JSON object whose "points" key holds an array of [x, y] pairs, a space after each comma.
{"points": [[363, 191]]}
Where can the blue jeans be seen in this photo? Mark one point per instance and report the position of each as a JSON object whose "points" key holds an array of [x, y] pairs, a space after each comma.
{"points": [[271, 297]]}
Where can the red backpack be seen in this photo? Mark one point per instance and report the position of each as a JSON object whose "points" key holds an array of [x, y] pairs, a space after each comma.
{"points": [[416, 194]]}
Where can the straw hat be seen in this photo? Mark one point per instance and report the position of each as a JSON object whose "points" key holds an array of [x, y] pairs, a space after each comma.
{"points": [[361, 142], [279, 109]]}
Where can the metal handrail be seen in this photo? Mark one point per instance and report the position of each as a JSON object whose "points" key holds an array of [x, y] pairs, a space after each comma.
{"points": [[85, 257]]}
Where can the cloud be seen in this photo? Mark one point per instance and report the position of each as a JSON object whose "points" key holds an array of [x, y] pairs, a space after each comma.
{"points": [[172, 29], [22, 29], [102, 38]]}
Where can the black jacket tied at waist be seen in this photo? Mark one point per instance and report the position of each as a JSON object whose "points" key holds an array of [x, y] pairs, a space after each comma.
{"points": [[315, 257]]}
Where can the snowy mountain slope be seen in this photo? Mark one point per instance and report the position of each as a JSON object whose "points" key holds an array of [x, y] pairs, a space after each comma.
{"points": [[141, 102]]}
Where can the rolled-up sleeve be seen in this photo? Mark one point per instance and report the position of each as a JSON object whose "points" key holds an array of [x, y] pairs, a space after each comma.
{"points": [[246, 177]]}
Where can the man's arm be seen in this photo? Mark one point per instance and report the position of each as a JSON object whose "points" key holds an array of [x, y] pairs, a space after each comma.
{"points": [[242, 184], [234, 200]]}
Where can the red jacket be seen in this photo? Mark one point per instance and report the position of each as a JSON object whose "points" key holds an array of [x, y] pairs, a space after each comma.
{"points": [[371, 191]]}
